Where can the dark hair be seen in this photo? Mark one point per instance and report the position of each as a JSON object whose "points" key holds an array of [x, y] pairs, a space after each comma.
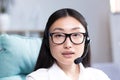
{"points": [[45, 59]]}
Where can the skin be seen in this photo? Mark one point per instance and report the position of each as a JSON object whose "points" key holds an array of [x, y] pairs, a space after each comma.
{"points": [[66, 53]]}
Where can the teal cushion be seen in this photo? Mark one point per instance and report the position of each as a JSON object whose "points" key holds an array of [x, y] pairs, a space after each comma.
{"points": [[15, 77], [18, 54]]}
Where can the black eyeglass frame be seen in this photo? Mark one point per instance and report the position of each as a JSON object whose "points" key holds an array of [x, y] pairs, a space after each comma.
{"points": [[68, 35]]}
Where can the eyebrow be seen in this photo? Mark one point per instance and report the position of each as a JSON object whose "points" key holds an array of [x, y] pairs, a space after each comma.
{"points": [[58, 29], [76, 28], [63, 29]]}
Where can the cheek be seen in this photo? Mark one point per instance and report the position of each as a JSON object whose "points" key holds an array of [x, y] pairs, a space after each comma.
{"points": [[80, 49]]}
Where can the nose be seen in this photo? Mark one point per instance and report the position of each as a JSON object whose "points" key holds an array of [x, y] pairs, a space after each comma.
{"points": [[67, 43]]}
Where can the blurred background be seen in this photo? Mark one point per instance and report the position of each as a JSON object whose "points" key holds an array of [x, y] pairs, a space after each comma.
{"points": [[28, 17]]}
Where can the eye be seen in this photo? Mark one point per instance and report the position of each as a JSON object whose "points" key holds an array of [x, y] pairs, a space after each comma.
{"points": [[58, 35], [77, 35]]}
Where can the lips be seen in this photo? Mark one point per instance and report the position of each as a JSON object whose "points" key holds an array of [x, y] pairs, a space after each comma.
{"points": [[67, 54]]}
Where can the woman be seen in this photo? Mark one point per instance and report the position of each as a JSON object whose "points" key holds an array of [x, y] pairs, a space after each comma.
{"points": [[64, 50]]}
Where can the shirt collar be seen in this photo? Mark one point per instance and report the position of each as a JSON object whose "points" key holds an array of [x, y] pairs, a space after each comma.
{"points": [[55, 70]]}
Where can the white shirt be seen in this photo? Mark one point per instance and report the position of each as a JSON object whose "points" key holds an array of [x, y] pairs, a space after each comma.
{"points": [[56, 73]]}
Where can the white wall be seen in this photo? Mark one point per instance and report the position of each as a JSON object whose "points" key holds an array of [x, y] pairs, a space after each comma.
{"points": [[115, 37], [34, 14]]}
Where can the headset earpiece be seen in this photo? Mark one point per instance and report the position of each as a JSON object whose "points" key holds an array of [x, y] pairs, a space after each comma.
{"points": [[87, 41]]}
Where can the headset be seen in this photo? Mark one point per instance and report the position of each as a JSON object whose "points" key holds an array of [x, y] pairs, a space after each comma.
{"points": [[79, 59]]}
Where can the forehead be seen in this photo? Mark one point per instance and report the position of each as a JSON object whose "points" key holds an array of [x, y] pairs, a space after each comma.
{"points": [[67, 24]]}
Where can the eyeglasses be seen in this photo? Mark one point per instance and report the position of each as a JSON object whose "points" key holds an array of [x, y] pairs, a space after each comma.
{"points": [[75, 38]]}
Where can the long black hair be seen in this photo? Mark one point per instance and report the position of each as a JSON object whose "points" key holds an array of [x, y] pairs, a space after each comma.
{"points": [[45, 59]]}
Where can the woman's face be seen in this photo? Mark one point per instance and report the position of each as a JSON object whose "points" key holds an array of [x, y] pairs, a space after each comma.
{"points": [[66, 52]]}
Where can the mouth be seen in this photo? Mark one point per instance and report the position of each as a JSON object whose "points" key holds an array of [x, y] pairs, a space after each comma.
{"points": [[68, 54]]}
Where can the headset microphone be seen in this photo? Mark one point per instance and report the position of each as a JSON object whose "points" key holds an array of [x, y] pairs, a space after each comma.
{"points": [[79, 59]]}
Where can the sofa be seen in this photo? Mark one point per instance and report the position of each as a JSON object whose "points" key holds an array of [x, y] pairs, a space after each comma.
{"points": [[18, 55]]}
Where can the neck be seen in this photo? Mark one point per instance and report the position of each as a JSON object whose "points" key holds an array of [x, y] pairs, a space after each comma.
{"points": [[71, 71]]}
